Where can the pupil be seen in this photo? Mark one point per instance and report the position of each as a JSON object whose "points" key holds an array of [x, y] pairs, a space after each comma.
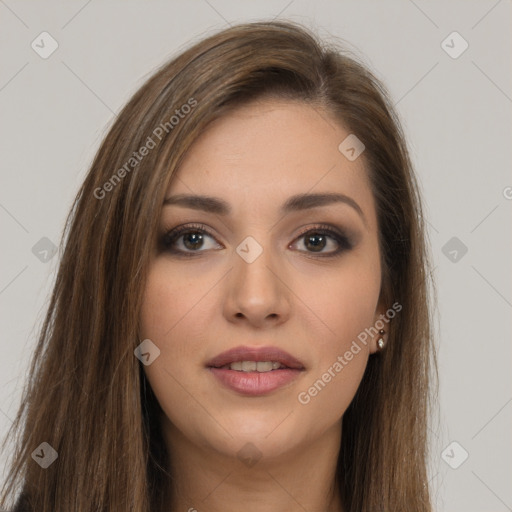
{"points": [[197, 239], [316, 246]]}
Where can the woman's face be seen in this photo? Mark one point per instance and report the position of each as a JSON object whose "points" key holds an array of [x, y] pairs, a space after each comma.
{"points": [[256, 269]]}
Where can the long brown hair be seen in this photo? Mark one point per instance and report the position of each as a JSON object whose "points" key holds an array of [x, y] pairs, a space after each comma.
{"points": [[87, 396]]}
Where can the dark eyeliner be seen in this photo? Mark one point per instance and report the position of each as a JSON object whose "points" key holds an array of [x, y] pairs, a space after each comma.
{"points": [[170, 237], [344, 242]]}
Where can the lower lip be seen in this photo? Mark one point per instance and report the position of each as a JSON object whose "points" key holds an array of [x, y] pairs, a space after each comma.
{"points": [[255, 383]]}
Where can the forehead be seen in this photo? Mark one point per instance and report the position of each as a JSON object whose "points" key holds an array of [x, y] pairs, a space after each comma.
{"points": [[259, 154]]}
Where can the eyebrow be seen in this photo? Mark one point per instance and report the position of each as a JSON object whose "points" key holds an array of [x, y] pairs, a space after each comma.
{"points": [[295, 203]]}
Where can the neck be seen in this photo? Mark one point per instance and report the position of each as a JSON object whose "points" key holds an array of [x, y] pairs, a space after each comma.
{"points": [[301, 479]]}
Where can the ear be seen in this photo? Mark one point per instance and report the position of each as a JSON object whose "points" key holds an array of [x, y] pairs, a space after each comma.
{"points": [[380, 322]]}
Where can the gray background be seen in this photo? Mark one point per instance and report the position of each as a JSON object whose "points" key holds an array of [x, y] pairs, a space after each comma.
{"points": [[456, 113]]}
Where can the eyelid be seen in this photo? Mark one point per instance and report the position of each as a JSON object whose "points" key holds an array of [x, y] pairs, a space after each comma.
{"points": [[177, 231], [329, 228], [344, 240]]}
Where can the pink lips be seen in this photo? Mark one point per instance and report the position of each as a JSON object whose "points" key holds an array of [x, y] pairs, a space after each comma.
{"points": [[255, 383], [255, 354]]}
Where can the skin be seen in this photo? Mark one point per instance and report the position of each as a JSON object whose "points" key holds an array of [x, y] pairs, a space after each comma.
{"points": [[291, 297]]}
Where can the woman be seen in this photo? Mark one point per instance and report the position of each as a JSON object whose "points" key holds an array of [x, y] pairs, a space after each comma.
{"points": [[241, 313]]}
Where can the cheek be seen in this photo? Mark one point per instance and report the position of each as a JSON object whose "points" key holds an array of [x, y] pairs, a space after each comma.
{"points": [[172, 317], [345, 302], [166, 308], [342, 302], [171, 299]]}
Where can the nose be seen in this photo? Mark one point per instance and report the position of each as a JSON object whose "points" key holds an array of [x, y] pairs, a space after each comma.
{"points": [[257, 293]]}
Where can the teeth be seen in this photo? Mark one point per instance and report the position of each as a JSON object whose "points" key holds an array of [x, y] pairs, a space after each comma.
{"points": [[264, 366], [249, 366], [253, 366]]}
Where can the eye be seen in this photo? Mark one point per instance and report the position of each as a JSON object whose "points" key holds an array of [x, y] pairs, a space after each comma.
{"points": [[316, 239], [187, 239]]}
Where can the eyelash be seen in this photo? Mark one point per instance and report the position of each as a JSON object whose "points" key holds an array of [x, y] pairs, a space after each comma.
{"points": [[170, 237]]}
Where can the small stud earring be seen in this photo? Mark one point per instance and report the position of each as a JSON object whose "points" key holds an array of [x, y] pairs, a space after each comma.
{"points": [[380, 342]]}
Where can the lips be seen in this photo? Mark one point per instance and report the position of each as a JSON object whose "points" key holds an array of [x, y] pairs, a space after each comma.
{"points": [[251, 382], [257, 354]]}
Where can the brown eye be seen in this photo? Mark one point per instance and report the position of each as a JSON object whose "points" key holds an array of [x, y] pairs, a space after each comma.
{"points": [[316, 240], [187, 240], [193, 240]]}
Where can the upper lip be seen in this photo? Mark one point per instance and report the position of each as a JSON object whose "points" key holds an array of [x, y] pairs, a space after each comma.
{"points": [[243, 353]]}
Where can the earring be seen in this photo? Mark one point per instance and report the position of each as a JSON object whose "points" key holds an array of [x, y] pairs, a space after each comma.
{"points": [[380, 342]]}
